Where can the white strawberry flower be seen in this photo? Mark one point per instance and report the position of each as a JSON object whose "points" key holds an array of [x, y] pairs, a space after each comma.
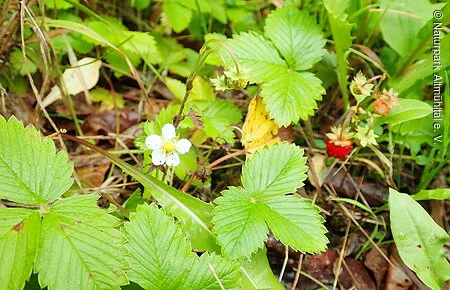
{"points": [[167, 147]]}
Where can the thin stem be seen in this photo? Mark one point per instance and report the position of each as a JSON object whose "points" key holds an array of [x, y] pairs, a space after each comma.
{"points": [[226, 157]]}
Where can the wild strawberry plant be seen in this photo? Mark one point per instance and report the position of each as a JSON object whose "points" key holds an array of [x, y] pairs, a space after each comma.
{"points": [[169, 238]]}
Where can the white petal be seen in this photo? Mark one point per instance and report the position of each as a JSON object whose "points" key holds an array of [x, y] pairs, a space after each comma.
{"points": [[159, 157], [173, 159], [183, 146], [153, 142], [168, 131]]}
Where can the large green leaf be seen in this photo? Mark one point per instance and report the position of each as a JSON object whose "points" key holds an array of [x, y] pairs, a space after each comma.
{"points": [[80, 247], [400, 30], [19, 237], [31, 171], [419, 239], [243, 213], [161, 257], [297, 37]]}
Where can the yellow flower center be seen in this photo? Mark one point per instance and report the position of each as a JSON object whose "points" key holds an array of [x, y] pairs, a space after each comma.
{"points": [[169, 146]]}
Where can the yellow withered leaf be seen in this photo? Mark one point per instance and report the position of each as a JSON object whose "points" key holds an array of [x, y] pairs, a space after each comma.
{"points": [[258, 129]]}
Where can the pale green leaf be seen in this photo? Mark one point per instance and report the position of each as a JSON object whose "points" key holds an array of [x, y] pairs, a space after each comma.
{"points": [[259, 55], [21, 65], [297, 36], [217, 118], [243, 213], [178, 15], [436, 194], [31, 171], [80, 247], [400, 30], [341, 30], [419, 239], [161, 257], [19, 237], [257, 274], [292, 96]]}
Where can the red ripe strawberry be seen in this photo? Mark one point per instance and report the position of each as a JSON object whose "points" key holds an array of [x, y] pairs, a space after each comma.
{"points": [[338, 151], [339, 144]]}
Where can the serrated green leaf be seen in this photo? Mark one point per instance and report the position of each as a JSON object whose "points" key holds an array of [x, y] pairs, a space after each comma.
{"points": [[178, 15], [80, 247], [285, 175], [258, 55], [31, 171], [419, 239], [239, 225], [290, 218], [161, 257], [297, 36], [19, 237], [242, 213], [292, 96]]}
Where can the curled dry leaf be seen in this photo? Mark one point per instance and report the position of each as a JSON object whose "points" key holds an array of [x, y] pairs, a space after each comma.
{"points": [[76, 79], [354, 274], [375, 262]]}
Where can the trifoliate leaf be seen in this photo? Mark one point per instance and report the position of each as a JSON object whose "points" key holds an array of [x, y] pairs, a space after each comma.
{"points": [[161, 257], [419, 239], [288, 93], [31, 171], [245, 213], [80, 247], [292, 96], [297, 36], [258, 55], [19, 237]]}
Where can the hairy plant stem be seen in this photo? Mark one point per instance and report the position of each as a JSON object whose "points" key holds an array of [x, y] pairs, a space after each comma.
{"points": [[203, 55]]}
